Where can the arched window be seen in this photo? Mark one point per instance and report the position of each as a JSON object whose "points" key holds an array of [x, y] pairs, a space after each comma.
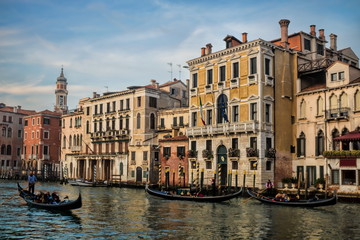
{"points": [[335, 144], [70, 141], [3, 147], [320, 106], [301, 145], [70, 122], [64, 142], [9, 135], [113, 123], [222, 111], [87, 127], [121, 122], [138, 121], [4, 132], [303, 109], [8, 150], [152, 121], [333, 106], [345, 144], [344, 100], [319, 143], [74, 141], [357, 101]]}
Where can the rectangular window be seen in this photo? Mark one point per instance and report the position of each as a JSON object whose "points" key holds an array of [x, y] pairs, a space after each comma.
{"points": [[341, 76], [222, 74], [193, 145], [194, 80], [96, 109], [20, 120], [193, 119], [235, 143], [46, 121], [267, 66], [181, 121], [253, 111], [181, 151], [145, 155], [128, 104], [320, 49], [348, 177], [268, 165], [167, 152], [235, 165], [121, 105], [133, 155], [268, 143], [113, 106], [209, 76], [267, 113], [139, 101], [26, 122], [87, 111], [209, 117], [19, 134], [208, 164], [152, 102], [162, 123], [46, 135], [307, 44], [335, 177], [253, 69], [101, 109], [235, 113], [46, 150], [333, 76], [253, 142], [209, 145], [108, 107], [235, 69], [174, 121]]}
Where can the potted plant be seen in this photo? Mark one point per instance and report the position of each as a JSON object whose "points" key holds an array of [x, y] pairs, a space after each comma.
{"points": [[286, 181], [320, 182], [293, 182]]}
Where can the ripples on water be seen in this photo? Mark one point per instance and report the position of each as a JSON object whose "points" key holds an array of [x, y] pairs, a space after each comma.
{"points": [[121, 213]]}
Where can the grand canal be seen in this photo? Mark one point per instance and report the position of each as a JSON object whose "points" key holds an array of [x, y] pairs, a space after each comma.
{"points": [[123, 213]]}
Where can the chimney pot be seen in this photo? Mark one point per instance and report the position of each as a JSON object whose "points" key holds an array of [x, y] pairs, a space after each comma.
{"points": [[203, 51], [208, 48], [333, 43], [321, 34], [312, 30], [244, 37], [284, 24]]}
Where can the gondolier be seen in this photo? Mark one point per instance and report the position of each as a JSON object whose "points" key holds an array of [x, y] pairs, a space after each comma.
{"points": [[32, 180]]}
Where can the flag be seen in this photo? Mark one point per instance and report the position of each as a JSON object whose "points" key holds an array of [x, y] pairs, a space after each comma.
{"points": [[201, 112]]}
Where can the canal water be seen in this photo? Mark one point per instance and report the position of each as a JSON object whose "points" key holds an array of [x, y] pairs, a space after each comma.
{"points": [[124, 213]]}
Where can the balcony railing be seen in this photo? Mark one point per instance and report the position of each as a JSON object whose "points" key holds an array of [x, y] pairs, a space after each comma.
{"points": [[342, 154], [337, 113], [314, 65], [222, 129], [270, 153], [76, 148], [252, 152]]}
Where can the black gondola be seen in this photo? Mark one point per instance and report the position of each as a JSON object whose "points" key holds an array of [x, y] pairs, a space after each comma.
{"points": [[62, 206], [295, 203], [169, 196]]}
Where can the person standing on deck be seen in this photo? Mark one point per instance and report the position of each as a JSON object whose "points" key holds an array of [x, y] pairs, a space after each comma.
{"points": [[32, 179]]}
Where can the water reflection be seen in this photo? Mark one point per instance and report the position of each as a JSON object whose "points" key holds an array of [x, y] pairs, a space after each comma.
{"points": [[129, 213]]}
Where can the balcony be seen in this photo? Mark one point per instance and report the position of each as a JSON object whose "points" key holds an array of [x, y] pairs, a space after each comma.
{"points": [[234, 152], [269, 81], [207, 154], [192, 154], [315, 65], [337, 114], [253, 79], [270, 153], [222, 129], [193, 92], [46, 157], [342, 154], [234, 83], [252, 152]]}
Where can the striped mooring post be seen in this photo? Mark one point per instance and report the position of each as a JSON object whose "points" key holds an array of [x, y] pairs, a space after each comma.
{"points": [[219, 175], [159, 176], [197, 175], [180, 174], [94, 173]]}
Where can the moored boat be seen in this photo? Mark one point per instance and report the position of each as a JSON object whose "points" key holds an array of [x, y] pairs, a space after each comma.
{"points": [[88, 184], [294, 203], [61, 206], [170, 196]]}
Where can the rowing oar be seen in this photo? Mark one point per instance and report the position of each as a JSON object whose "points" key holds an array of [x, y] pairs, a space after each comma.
{"points": [[245, 201]]}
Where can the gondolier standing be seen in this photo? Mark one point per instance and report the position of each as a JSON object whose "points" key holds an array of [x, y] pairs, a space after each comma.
{"points": [[32, 179]]}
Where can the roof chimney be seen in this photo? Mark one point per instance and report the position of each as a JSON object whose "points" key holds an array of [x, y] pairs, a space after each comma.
{"points": [[333, 44], [94, 95], [284, 23], [208, 48], [312, 30], [244, 37], [321, 34], [203, 51]]}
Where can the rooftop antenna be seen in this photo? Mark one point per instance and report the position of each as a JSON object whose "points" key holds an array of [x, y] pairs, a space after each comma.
{"points": [[171, 71], [179, 65]]}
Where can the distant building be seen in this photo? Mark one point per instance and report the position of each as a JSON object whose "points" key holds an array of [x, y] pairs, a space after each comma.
{"points": [[11, 139], [61, 93], [41, 150]]}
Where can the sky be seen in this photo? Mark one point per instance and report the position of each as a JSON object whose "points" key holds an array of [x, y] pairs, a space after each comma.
{"points": [[108, 45]]}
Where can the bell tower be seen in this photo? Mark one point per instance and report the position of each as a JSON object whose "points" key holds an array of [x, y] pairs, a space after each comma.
{"points": [[61, 93]]}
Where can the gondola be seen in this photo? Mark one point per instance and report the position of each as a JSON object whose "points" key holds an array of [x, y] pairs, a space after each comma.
{"points": [[169, 196], [295, 203], [62, 206], [88, 184]]}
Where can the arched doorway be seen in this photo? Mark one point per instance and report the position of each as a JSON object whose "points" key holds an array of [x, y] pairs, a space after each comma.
{"points": [[222, 164], [138, 174]]}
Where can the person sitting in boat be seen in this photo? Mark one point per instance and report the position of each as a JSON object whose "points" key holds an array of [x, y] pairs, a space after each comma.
{"points": [[55, 197]]}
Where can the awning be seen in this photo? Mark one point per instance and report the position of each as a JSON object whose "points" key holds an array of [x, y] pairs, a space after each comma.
{"points": [[351, 136]]}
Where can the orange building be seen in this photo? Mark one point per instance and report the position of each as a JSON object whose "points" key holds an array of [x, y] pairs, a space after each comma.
{"points": [[41, 151]]}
